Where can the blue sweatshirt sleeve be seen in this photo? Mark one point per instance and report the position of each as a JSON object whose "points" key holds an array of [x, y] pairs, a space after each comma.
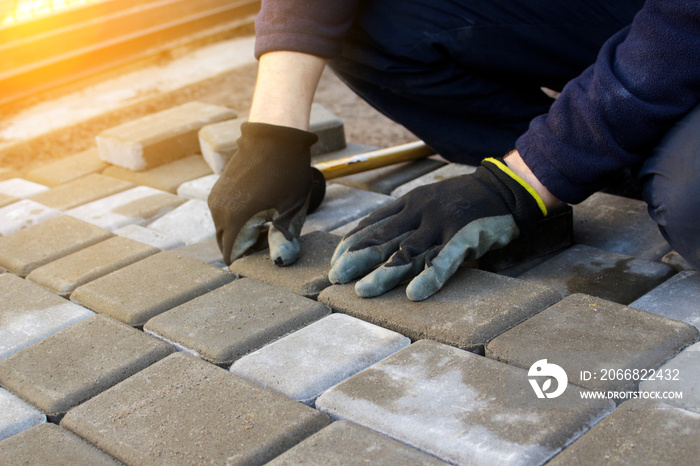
{"points": [[645, 79], [316, 27]]}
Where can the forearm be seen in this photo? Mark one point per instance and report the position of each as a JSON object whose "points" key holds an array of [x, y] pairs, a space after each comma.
{"points": [[516, 163]]}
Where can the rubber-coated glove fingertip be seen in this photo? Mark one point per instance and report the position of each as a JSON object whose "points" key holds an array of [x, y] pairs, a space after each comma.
{"points": [[283, 252]]}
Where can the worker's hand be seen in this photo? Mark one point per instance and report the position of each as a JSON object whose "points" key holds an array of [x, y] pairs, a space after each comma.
{"points": [[431, 230], [269, 178]]}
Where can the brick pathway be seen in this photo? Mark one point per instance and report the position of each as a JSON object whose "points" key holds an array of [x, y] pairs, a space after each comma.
{"points": [[124, 338]]}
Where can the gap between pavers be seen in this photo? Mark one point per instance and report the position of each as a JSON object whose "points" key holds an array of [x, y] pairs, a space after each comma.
{"points": [[6, 200], [676, 298], [679, 375], [21, 188], [189, 223], [81, 191], [164, 177], [16, 415]]}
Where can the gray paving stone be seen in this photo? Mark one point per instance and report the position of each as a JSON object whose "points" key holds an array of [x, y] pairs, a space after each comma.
{"points": [[584, 333], [311, 360], [676, 298], [16, 416], [64, 275], [461, 407], [7, 200], [203, 414], [619, 224], [50, 444], [231, 321], [159, 138], [164, 177], [308, 276], [448, 171], [386, 179], [32, 247], [147, 236], [473, 308], [605, 274], [22, 214], [79, 362], [680, 374], [19, 187], [345, 443], [81, 191], [675, 260], [638, 432], [149, 287], [189, 223], [198, 188], [206, 251], [68, 168]]}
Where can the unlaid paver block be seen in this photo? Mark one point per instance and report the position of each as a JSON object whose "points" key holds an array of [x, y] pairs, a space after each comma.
{"points": [[679, 375], [7, 200], [16, 416], [27, 249], [308, 276], [345, 443], [159, 138], [81, 191], [164, 177], [386, 179], [472, 308], [231, 321], [619, 224], [79, 362], [206, 251], [308, 362], [605, 274], [198, 188], [675, 260], [676, 298], [22, 214], [461, 407], [342, 205], [148, 236], [68, 168], [204, 415], [189, 223], [153, 285], [138, 205], [451, 170], [19, 187], [589, 337], [64, 275], [29, 313], [48, 443], [638, 432]]}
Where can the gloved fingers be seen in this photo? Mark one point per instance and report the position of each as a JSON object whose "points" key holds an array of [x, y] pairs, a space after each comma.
{"points": [[385, 278], [284, 233], [247, 236]]}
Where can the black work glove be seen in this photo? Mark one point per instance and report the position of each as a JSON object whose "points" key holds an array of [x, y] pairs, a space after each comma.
{"points": [[269, 178], [431, 230]]}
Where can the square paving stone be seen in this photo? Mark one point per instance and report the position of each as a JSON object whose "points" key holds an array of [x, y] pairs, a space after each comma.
{"points": [[64, 275], [605, 274], [153, 285], [234, 320], [21, 188], [16, 416], [308, 276], [638, 432], [7, 199], [203, 414], [586, 334], [27, 249], [79, 362], [189, 223], [206, 251], [198, 188], [50, 444], [68, 168], [165, 177], [619, 224], [81, 191], [680, 374], [384, 180], [472, 308], [446, 172], [461, 407], [676, 298], [311, 360], [22, 214], [147, 236], [345, 443]]}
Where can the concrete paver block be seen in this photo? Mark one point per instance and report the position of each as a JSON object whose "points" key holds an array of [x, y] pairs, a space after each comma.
{"points": [[7, 173], [605, 274], [345, 443], [308, 276], [461, 407], [472, 308], [638, 432], [206, 251], [386, 179], [198, 188], [311, 360], [189, 223], [451, 170], [586, 334], [619, 224], [164, 177], [22, 214], [204, 415], [234, 320], [68, 168], [19, 187], [138, 205], [64, 275], [79, 362], [148, 236], [16, 416], [7, 200], [81, 191], [676, 298], [146, 288], [675, 260], [27, 249], [159, 138], [681, 375], [50, 444]]}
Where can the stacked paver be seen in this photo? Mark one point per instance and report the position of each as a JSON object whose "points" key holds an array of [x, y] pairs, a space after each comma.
{"points": [[124, 338]]}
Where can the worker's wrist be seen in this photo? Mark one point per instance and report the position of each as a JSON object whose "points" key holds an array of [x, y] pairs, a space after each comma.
{"points": [[518, 166]]}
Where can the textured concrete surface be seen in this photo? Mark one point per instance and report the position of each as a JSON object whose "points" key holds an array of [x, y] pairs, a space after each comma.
{"points": [[148, 236], [6, 199], [146, 288], [21, 188], [680, 374], [234, 320], [204, 415], [22, 214], [81, 191], [67, 169], [206, 251], [310, 361], [166, 177], [385, 180], [198, 188], [79, 362], [676, 298], [16, 416], [189, 223], [448, 171]]}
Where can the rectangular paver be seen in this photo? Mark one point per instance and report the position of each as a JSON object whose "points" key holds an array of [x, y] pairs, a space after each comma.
{"points": [[68, 168], [446, 172], [19, 187], [81, 191], [206, 251], [189, 223], [679, 375], [676, 298], [147, 236], [385, 180], [22, 214], [16, 415], [164, 177], [6, 199], [198, 188]]}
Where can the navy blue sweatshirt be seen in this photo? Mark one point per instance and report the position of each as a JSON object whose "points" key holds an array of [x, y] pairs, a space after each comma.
{"points": [[645, 79]]}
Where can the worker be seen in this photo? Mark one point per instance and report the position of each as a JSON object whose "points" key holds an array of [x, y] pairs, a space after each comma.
{"points": [[466, 76]]}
